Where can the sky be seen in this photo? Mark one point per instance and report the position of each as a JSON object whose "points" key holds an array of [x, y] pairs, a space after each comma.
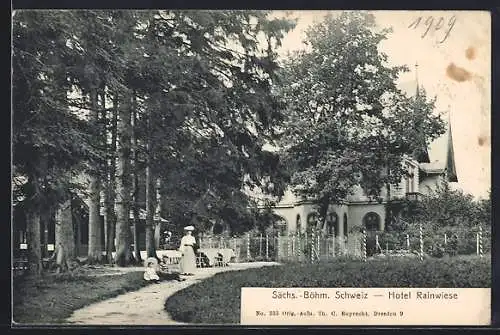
{"points": [[453, 53]]}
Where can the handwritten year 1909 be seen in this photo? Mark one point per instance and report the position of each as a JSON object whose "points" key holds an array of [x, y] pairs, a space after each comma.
{"points": [[438, 24]]}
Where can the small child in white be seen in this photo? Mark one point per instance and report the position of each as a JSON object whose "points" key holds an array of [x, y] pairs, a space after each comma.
{"points": [[150, 272]]}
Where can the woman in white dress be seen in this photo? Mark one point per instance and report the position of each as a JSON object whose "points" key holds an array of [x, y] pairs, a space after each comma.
{"points": [[188, 261]]}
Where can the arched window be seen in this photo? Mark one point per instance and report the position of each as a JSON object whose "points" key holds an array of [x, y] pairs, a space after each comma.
{"points": [[298, 224], [371, 221], [312, 219], [332, 224], [345, 224]]}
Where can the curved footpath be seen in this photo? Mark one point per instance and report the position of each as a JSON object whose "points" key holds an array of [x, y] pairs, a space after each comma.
{"points": [[146, 306]]}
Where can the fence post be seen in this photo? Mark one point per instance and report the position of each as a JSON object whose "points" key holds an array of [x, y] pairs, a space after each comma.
{"points": [[299, 246], [333, 243], [294, 247], [421, 242], [248, 246], [289, 241], [234, 248], [445, 239], [477, 243], [277, 246], [364, 245], [312, 246], [318, 245], [260, 245], [480, 241], [377, 245], [408, 242], [267, 246], [387, 248]]}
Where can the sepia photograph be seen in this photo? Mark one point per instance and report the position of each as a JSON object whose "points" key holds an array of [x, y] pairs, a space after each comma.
{"points": [[226, 167]]}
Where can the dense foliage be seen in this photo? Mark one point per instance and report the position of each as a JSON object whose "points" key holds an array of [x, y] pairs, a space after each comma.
{"points": [[110, 99], [348, 122]]}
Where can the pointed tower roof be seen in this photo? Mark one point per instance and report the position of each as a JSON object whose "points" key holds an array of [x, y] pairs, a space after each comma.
{"points": [[421, 155], [450, 155], [442, 156], [417, 93]]}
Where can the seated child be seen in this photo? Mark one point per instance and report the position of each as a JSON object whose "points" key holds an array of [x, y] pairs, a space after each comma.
{"points": [[150, 272]]}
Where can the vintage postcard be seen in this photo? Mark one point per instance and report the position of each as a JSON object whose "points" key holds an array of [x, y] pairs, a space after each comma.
{"points": [[251, 167]]}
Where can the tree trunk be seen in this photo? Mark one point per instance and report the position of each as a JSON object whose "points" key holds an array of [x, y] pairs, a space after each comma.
{"points": [[33, 240], [94, 252], [137, 250], [44, 221], [105, 175], [123, 185], [33, 218], [157, 231], [323, 212], [135, 203], [95, 247], [110, 215], [150, 210], [150, 195], [78, 236], [65, 243]]}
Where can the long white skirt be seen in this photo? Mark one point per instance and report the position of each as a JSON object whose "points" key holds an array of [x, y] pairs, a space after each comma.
{"points": [[188, 261]]}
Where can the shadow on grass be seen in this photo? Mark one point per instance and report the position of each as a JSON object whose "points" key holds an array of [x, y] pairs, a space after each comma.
{"points": [[51, 299], [216, 300]]}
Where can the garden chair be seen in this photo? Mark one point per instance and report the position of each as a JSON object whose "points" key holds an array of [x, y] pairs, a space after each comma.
{"points": [[219, 260], [202, 260]]}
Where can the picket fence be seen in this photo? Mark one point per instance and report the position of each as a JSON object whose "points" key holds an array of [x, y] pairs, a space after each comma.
{"points": [[298, 247], [314, 246]]}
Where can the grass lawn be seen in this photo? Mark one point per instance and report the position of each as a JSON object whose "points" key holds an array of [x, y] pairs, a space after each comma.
{"points": [[217, 299], [53, 297]]}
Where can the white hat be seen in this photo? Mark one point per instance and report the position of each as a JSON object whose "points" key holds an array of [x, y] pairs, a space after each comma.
{"points": [[189, 228]]}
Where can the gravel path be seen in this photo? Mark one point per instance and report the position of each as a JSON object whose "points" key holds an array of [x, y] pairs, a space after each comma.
{"points": [[146, 306]]}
